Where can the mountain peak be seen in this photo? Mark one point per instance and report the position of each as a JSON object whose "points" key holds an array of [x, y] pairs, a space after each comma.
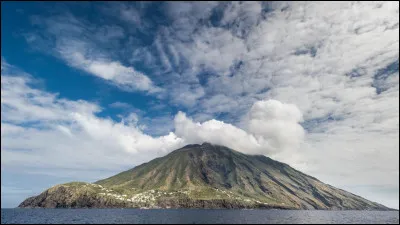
{"points": [[206, 144], [198, 145]]}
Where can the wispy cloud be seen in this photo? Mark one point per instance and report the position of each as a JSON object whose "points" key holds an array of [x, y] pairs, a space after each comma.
{"points": [[122, 105], [126, 78]]}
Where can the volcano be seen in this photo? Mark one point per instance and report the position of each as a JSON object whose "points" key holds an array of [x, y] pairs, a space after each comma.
{"points": [[204, 176]]}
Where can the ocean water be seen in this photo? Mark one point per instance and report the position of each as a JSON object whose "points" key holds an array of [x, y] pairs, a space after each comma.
{"points": [[193, 216]]}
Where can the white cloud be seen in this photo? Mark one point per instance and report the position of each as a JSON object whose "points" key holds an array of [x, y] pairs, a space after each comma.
{"points": [[219, 103], [277, 123], [186, 94], [163, 57], [121, 105], [212, 49], [241, 16], [131, 119], [185, 16], [272, 127], [22, 103], [131, 15], [109, 32], [76, 54], [216, 132]]}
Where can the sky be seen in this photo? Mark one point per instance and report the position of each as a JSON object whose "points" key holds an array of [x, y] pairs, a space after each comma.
{"points": [[90, 89]]}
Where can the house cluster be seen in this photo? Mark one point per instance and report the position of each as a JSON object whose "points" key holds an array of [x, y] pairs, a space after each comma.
{"points": [[151, 195], [144, 197]]}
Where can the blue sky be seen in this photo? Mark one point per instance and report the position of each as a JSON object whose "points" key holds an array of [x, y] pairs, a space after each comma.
{"points": [[91, 89]]}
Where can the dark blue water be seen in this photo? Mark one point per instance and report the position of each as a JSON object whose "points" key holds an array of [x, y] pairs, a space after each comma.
{"points": [[133, 216]]}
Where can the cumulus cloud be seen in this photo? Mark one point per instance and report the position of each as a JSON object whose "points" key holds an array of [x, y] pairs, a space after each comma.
{"points": [[216, 132], [277, 124], [272, 127]]}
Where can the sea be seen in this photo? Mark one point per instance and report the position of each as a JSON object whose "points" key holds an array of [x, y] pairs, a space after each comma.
{"points": [[193, 216]]}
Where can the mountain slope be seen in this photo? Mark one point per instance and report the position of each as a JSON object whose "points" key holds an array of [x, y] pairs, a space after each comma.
{"points": [[205, 176]]}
